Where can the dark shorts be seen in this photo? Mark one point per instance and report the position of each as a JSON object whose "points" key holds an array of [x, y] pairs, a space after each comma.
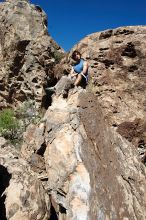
{"points": [[83, 82]]}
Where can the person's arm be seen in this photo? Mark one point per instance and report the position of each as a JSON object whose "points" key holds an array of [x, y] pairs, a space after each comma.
{"points": [[85, 68], [72, 73]]}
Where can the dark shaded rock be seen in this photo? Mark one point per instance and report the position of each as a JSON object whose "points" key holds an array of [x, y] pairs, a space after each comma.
{"points": [[129, 51], [105, 34]]}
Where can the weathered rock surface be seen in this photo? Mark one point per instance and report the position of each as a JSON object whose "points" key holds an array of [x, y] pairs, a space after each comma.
{"points": [[118, 75], [22, 195], [27, 53], [84, 167], [93, 173]]}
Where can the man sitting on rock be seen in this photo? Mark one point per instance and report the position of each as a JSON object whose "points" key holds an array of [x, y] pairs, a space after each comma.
{"points": [[79, 70], [77, 77]]}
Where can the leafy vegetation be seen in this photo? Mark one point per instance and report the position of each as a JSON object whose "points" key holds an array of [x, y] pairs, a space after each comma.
{"points": [[9, 125], [14, 123], [57, 56]]}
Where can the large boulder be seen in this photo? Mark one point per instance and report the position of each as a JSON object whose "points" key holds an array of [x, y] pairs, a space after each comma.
{"points": [[118, 78], [22, 195], [93, 173]]}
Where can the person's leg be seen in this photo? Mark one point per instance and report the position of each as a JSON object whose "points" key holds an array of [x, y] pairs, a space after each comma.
{"points": [[50, 90], [78, 80]]}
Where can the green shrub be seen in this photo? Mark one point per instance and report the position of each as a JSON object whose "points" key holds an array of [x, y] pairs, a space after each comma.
{"points": [[9, 125], [57, 56], [13, 124]]}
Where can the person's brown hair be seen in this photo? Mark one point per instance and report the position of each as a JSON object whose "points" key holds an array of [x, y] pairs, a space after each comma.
{"points": [[76, 52]]}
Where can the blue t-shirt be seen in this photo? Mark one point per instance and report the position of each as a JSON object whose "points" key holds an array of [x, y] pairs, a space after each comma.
{"points": [[78, 68]]}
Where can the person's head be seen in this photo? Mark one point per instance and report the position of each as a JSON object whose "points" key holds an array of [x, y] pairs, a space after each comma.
{"points": [[76, 55]]}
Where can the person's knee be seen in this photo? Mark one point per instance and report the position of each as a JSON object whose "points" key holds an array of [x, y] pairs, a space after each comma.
{"points": [[79, 77]]}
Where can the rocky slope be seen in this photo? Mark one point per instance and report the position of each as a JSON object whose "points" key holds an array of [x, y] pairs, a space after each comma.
{"points": [[93, 173], [27, 53], [118, 77], [81, 160], [90, 166], [22, 195]]}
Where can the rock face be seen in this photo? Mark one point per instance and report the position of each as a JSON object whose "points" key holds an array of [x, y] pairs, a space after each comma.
{"points": [[22, 195], [27, 53], [93, 173], [118, 77], [76, 163]]}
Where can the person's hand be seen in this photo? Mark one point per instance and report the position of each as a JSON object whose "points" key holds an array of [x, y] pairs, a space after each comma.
{"points": [[73, 75]]}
